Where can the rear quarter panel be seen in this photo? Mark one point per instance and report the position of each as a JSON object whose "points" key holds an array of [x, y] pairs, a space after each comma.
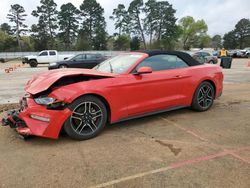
{"points": [[207, 72]]}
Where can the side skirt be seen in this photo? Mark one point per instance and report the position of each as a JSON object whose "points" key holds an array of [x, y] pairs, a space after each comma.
{"points": [[150, 114]]}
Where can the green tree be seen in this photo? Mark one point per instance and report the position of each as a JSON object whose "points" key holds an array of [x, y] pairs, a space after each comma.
{"points": [[7, 42], [47, 15], [135, 43], [216, 41], [68, 23], [27, 43], [135, 10], [229, 40], [151, 18], [94, 24], [202, 41], [40, 35], [191, 30], [121, 18], [6, 28], [17, 16], [242, 32], [83, 41], [122, 42]]}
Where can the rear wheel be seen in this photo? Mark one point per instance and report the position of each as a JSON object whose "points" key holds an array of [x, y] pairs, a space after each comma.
{"points": [[88, 118], [204, 97]]}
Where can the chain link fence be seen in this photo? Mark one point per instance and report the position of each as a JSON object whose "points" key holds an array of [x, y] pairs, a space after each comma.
{"points": [[15, 55]]}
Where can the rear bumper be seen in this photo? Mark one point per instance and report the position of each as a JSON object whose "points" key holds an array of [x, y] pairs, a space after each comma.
{"points": [[36, 120]]}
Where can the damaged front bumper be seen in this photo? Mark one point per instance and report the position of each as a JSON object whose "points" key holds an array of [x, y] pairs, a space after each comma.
{"points": [[37, 120], [13, 121]]}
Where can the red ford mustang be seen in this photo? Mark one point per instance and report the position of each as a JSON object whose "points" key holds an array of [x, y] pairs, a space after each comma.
{"points": [[131, 85]]}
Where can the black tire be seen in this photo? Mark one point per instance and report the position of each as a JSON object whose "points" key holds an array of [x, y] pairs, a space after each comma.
{"points": [[211, 62], [2, 60], [203, 97], [33, 63], [88, 118], [62, 66]]}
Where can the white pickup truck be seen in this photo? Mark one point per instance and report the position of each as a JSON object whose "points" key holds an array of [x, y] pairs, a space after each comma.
{"points": [[44, 57]]}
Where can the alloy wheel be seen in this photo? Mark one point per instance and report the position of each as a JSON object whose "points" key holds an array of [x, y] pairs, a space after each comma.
{"points": [[205, 96], [86, 118]]}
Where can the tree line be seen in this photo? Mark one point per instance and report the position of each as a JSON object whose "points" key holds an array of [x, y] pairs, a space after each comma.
{"points": [[141, 25]]}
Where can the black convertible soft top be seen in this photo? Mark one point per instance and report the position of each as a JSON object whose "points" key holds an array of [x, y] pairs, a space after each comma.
{"points": [[182, 55]]}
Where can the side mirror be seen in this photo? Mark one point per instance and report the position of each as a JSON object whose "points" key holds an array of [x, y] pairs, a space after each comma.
{"points": [[144, 70]]}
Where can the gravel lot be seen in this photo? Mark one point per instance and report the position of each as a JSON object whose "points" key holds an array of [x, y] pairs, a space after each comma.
{"points": [[175, 149]]}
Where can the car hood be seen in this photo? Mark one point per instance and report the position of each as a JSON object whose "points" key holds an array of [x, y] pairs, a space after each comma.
{"points": [[44, 81], [30, 56]]}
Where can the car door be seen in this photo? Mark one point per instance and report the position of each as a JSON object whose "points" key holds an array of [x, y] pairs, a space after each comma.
{"points": [[91, 61], [161, 89], [52, 56], [206, 57], [201, 57], [77, 61], [43, 57]]}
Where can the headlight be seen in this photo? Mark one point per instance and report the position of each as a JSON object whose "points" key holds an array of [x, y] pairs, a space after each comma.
{"points": [[52, 64], [50, 102], [45, 100]]}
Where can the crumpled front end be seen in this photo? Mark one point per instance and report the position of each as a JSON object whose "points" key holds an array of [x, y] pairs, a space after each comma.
{"points": [[35, 119]]}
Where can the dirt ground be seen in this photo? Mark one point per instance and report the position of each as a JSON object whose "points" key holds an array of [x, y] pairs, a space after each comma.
{"points": [[182, 148]]}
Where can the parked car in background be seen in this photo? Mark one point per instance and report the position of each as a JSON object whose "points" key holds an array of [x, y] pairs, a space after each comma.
{"points": [[135, 84], [245, 53], [216, 53], [205, 57], [233, 53], [44, 57], [86, 61]]}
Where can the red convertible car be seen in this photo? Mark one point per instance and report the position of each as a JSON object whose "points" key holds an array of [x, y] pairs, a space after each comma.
{"points": [[136, 84]]}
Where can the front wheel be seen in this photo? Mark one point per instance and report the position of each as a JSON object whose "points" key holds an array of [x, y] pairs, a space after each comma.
{"points": [[88, 118], [203, 97], [33, 63]]}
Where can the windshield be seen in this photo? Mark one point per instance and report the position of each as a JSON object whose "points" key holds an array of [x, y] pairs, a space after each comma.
{"points": [[118, 64], [72, 57]]}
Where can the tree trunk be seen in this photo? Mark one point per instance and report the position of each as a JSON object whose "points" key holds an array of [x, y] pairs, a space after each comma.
{"points": [[17, 33], [141, 31]]}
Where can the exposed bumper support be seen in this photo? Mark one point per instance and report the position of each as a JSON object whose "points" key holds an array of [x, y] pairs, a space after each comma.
{"points": [[13, 120]]}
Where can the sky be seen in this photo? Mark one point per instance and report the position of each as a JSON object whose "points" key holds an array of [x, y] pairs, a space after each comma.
{"points": [[220, 15]]}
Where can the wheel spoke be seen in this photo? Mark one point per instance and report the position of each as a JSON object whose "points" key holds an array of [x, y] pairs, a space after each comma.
{"points": [[209, 97], [200, 99], [208, 90], [89, 109], [82, 128], [96, 114], [91, 127], [74, 117], [202, 91], [77, 113], [205, 103], [209, 101], [78, 126]]}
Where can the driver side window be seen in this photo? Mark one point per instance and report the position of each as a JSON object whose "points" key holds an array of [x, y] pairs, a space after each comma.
{"points": [[79, 58], [43, 54], [163, 62]]}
